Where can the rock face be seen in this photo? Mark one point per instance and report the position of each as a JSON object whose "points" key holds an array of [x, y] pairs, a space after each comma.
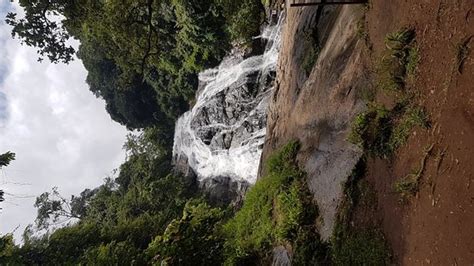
{"points": [[221, 138], [281, 257], [317, 108]]}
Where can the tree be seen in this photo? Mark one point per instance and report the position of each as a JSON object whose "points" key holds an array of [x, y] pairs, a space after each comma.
{"points": [[37, 29], [52, 207], [5, 160], [192, 239]]}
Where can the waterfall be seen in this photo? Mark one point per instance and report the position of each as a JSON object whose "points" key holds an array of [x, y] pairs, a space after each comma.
{"points": [[223, 134]]}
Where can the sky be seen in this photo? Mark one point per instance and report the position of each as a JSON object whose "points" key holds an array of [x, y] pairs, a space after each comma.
{"points": [[59, 130]]}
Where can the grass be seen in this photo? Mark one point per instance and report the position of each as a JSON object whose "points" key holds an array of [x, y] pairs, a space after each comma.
{"points": [[462, 52], [413, 60], [277, 210], [356, 244], [372, 129], [410, 184], [400, 60], [411, 117], [380, 132]]}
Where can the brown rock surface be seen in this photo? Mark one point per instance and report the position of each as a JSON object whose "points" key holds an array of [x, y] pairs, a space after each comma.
{"points": [[318, 110]]}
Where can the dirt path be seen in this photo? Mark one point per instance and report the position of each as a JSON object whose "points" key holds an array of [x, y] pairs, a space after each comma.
{"points": [[437, 226]]}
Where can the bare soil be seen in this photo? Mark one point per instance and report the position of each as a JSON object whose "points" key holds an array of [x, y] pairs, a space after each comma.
{"points": [[437, 225]]}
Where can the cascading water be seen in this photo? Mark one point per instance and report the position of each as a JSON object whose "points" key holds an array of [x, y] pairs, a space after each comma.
{"points": [[223, 134]]}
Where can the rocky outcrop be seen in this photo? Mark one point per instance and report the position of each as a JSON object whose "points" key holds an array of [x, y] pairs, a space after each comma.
{"points": [[221, 138], [224, 191], [318, 109], [281, 257]]}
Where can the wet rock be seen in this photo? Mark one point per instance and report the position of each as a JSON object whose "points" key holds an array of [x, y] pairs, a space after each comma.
{"points": [[223, 190]]}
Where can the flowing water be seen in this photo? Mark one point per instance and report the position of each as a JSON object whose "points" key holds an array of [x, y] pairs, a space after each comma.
{"points": [[223, 134]]}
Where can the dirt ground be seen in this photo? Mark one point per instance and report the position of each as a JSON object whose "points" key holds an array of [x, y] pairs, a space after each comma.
{"points": [[437, 226]]}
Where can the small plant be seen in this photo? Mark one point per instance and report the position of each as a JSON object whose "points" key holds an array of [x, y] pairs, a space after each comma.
{"points": [[361, 30], [407, 186], [400, 40], [372, 130], [411, 117], [462, 51], [402, 57], [354, 244], [380, 131], [413, 60], [410, 184], [312, 50]]}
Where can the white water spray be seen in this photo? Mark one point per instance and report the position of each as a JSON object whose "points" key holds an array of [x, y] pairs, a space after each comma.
{"points": [[222, 137]]}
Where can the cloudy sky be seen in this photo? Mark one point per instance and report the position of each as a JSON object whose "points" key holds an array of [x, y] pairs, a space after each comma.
{"points": [[60, 132]]}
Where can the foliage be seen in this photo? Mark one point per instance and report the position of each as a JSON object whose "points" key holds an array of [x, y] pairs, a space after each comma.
{"points": [[6, 158], [410, 184], [277, 209], [143, 59], [243, 18], [196, 234], [413, 59], [380, 131], [358, 243], [401, 59], [39, 30], [115, 222], [365, 247], [312, 50], [412, 116], [52, 207], [115, 253], [372, 130], [7, 248], [142, 56]]}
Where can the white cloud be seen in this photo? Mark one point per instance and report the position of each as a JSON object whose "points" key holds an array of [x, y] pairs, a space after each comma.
{"points": [[60, 132]]}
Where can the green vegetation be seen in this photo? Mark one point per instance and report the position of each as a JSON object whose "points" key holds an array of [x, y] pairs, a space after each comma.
{"points": [[192, 239], [143, 57], [312, 50], [372, 130], [147, 216], [5, 160], [409, 185], [277, 210], [355, 242], [400, 60], [381, 131], [115, 222]]}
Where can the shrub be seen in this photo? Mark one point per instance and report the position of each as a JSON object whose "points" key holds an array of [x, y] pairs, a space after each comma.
{"points": [[277, 210], [411, 117], [372, 130], [380, 132], [354, 243], [243, 18], [401, 58]]}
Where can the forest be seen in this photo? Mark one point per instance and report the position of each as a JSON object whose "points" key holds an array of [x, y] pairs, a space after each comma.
{"points": [[142, 58]]}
